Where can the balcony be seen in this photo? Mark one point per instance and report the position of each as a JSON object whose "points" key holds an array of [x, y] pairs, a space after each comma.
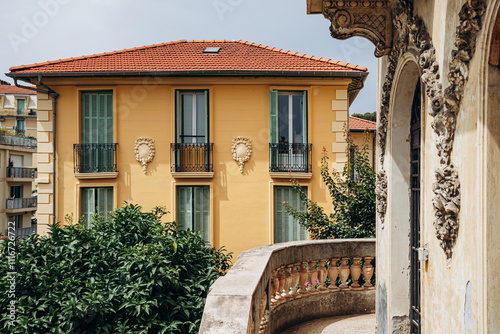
{"points": [[14, 205], [192, 160], [10, 140], [95, 160], [18, 173], [290, 157], [23, 232], [272, 288]]}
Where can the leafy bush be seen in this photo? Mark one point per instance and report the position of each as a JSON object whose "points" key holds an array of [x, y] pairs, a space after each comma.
{"points": [[353, 198], [131, 274]]}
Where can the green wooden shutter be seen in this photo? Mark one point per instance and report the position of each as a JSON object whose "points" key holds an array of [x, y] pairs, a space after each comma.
{"points": [[273, 116], [88, 204], [304, 115], [201, 208], [184, 207], [20, 106], [206, 115], [285, 227], [178, 124]]}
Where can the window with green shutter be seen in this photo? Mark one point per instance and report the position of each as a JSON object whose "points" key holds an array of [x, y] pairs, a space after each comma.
{"points": [[192, 116], [193, 209], [96, 200], [97, 151], [20, 106], [285, 227]]}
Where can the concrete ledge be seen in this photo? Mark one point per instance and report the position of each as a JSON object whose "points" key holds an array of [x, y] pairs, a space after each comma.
{"points": [[84, 176], [233, 303], [288, 175], [192, 175]]}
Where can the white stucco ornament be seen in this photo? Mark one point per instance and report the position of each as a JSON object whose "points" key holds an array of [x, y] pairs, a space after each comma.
{"points": [[242, 150], [144, 151]]}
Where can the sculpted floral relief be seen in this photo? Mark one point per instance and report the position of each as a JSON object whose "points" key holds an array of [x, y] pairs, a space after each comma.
{"points": [[144, 151], [241, 150]]}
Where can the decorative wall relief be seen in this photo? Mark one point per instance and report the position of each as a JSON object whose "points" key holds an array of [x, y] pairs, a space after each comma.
{"points": [[369, 19], [242, 150], [144, 151], [352, 18]]}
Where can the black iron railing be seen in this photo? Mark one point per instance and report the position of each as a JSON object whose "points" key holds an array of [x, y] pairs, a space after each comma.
{"points": [[6, 139], [196, 157], [20, 203], [95, 158], [25, 232], [21, 172], [293, 157]]}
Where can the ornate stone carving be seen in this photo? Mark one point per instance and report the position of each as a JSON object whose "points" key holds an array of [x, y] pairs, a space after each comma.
{"points": [[367, 18], [242, 150], [144, 150], [381, 193]]}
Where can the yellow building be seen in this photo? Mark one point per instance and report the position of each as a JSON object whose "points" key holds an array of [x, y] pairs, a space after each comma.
{"points": [[17, 160], [363, 131], [210, 129]]}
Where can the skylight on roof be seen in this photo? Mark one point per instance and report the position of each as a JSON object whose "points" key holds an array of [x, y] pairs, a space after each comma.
{"points": [[212, 50]]}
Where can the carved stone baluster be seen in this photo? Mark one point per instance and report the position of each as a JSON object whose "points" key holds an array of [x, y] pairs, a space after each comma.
{"points": [[344, 273], [368, 273], [281, 284], [274, 288], [295, 280], [333, 273], [288, 283], [356, 273], [303, 278], [313, 276], [263, 314], [322, 276]]}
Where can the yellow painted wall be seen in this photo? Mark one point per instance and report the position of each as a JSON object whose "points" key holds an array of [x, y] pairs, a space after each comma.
{"points": [[241, 208]]}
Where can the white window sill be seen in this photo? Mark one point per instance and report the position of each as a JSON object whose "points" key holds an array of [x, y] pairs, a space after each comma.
{"points": [[83, 176], [290, 175]]}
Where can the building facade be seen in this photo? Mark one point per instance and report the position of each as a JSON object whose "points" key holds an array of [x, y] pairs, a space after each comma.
{"points": [[213, 130], [17, 160], [438, 159]]}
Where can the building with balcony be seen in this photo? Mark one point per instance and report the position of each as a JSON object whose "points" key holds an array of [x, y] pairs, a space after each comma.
{"points": [[213, 130], [18, 170]]}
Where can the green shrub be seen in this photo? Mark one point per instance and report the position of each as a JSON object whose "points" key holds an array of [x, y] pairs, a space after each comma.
{"points": [[130, 274]]}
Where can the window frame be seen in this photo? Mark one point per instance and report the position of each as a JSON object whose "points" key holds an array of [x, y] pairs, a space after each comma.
{"points": [[179, 125]]}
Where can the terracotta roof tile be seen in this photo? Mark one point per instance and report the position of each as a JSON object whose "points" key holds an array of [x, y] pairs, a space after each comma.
{"points": [[7, 89], [356, 123], [188, 56]]}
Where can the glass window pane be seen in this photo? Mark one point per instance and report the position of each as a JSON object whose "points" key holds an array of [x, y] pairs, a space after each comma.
{"points": [[298, 117], [187, 118], [283, 119], [193, 209], [201, 117], [98, 200]]}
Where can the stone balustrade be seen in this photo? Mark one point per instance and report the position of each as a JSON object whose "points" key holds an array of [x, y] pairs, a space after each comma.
{"points": [[274, 287]]}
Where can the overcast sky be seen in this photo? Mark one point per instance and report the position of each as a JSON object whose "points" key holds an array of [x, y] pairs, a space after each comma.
{"points": [[40, 30]]}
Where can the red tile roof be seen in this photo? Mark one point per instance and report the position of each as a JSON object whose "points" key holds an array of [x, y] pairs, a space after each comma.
{"points": [[185, 56], [7, 89], [361, 124]]}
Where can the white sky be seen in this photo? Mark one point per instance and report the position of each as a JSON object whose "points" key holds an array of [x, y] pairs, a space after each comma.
{"points": [[39, 30]]}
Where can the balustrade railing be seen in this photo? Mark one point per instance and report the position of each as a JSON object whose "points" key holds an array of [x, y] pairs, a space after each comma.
{"points": [[10, 140], [23, 232], [21, 172], [274, 287], [192, 157], [293, 157], [20, 203]]}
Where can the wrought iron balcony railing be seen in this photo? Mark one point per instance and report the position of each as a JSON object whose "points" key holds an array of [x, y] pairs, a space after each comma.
{"points": [[20, 203], [95, 158], [293, 157], [6, 139], [21, 172], [23, 232], [195, 157]]}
